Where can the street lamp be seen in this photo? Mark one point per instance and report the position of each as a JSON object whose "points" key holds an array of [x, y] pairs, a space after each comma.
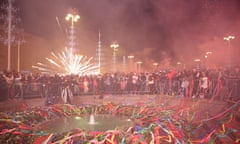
{"points": [[197, 62], [131, 57], [139, 66], [179, 64], [228, 39], [155, 65], [18, 54], [10, 8], [114, 46], [207, 54], [73, 18], [131, 62]]}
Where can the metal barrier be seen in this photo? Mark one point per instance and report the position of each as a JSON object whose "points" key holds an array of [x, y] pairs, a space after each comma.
{"points": [[230, 89]]}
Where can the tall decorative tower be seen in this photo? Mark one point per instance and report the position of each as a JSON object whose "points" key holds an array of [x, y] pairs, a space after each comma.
{"points": [[99, 54], [12, 33], [124, 64], [73, 18], [114, 46]]}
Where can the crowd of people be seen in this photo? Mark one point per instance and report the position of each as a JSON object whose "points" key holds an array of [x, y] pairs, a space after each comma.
{"points": [[194, 83]]}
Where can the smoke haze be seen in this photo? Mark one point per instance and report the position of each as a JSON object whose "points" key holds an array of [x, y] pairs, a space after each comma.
{"points": [[151, 30]]}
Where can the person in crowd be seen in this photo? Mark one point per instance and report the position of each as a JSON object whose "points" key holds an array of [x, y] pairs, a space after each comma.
{"points": [[185, 86], [151, 84], [203, 85], [18, 85], [95, 85], [196, 77], [219, 89], [234, 75], [3, 88], [143, 80], [8, 76], [123, 83], [107, 83], [66, 92], [43, 80], [134, 82], [216, 84], [101, 87], [85, 85]]}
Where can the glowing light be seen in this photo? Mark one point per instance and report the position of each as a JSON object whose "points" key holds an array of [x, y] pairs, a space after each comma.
{"points": [[208, 52], [197, 60], [179, 63], [228, 38], [131, 57], [114, 45], [66, 63], [155, 64], [73, 17], [77, 118]]}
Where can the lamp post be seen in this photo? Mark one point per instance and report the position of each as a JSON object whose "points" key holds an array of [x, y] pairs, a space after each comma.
{"points": [[179, 65], [207, 54], [155, 66], [19, 55], [228, 39], [114, 46], [198, 63], [124, 64], [131, 62], [9, 34], [139, 63], [73, 18]]}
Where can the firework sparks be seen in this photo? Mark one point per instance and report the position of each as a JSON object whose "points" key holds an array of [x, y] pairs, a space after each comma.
{"points": [[66, 63]]}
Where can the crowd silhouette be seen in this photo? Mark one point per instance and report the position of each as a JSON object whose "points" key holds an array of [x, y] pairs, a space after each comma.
{"points": [[222, 84]]}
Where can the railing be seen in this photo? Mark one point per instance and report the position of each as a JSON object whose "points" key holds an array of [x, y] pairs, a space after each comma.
{"points": [[228, 89]]}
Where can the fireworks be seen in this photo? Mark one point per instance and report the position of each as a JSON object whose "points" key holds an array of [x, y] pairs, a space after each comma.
{"points": [[66, 63]]}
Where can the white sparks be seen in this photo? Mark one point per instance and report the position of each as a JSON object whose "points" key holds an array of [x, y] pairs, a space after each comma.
{"points": [[66, 63]]}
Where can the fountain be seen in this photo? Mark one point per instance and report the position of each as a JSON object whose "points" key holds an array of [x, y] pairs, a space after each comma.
{"points": [[92, 120], [89, 122]]}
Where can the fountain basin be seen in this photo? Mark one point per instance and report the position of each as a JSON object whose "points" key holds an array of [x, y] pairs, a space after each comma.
{"points": [[102, 122]]}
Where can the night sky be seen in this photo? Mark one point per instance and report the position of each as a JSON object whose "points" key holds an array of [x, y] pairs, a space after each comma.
{"points": [[151, 30]]}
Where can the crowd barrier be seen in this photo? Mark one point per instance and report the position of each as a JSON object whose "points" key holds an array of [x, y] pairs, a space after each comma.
{"points": [[228, 89]]}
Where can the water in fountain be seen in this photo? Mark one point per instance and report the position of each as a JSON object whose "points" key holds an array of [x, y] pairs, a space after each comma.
{"points": [[90, 123], [92, 120]]}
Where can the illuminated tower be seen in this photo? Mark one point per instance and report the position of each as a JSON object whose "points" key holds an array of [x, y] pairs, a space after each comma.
{"points": [[73, 18], [12, 34], [114, 46], [124, 64], [99, 54]]}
